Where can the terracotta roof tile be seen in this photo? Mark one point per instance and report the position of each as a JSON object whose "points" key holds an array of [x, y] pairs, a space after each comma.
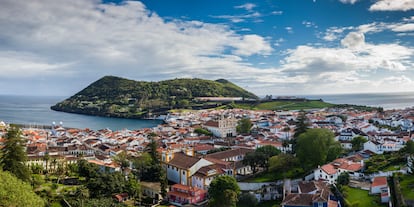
{"points": [[379, 181], [183, 161]]}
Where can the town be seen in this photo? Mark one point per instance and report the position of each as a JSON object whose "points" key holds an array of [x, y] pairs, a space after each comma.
{"points": [[268, 153]]}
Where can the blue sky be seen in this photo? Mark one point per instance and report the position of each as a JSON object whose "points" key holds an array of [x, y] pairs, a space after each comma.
{"points": [[278, 47]]}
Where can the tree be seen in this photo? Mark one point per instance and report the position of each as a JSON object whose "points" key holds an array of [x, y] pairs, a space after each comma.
{"points": [[316, 147], [122, 160], [302, 124], [142, 163], [254, 160], [282, 163], [343, 179], [409, 147], [286, 129], [244, 126], [133, 188], [15, 192], [247, 200], [82, 193], [203, 131], [46, 158], [223, 191], [358, 143], [268, 151], [13, 154], [163, 183]]}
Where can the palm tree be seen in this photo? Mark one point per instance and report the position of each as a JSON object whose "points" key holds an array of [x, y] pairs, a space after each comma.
{"points": [[46, 158], [54, 162], [82, 193], [287, 130]]}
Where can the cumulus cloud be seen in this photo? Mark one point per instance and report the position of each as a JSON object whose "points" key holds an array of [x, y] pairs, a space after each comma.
{"points": [[392, 5], [96, 39], [403, 27], [354, 40], [342, 69]]}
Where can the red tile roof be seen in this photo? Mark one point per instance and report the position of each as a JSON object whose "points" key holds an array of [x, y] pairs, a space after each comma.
{"points": [[183, 161], [329, 169], [379, 181]]}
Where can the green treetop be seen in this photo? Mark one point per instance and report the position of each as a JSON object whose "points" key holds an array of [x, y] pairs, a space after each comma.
{"points": [[223, 192], [316, 147], [244, 126], [13, 155]]}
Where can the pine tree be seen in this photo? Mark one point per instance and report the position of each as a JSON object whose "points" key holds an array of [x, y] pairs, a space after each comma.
{"points": [[13, 155], [301, 124]]}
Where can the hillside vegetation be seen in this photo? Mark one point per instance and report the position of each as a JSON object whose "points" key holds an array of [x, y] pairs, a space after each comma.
{"points": [[119, 97]]}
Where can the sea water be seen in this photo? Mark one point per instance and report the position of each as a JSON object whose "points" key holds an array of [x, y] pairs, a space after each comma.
{"points": [[35, 110]]}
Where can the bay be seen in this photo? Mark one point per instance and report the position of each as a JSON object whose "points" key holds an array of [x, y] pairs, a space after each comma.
{"points": [[35, 110]]}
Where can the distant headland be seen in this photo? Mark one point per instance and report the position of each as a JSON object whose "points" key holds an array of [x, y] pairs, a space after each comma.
{"points": [[112, 96]]}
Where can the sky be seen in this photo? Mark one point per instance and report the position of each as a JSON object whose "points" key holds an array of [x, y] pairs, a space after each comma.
{"points": [[277, 47]]}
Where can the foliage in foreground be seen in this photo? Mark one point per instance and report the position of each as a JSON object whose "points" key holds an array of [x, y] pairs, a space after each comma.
{"points": [[14, 192]]}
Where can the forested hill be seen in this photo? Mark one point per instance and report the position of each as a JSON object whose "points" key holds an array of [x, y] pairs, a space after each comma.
{"points": [[120, 97]]}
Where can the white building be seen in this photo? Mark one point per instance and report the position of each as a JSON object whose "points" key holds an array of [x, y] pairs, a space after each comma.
{"points": [[224, 127], [182, 167], [331, 171]]}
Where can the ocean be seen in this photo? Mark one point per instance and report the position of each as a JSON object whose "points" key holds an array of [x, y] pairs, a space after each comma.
{"points": [[35, 110], [399, 100]]}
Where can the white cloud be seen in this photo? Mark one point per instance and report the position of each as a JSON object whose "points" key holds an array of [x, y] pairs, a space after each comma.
{"points": [[410, 19], [252, 44], [87, 39], [392, 5], [239, 18], [398, 83], [333, 33], [348, 1], [277, 12], [354, 40], [309, 24], [247, 6], [342, 68], [289, 29], [403, 27]]}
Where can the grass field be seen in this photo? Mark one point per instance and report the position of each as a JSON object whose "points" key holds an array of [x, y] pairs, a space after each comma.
{"points": [[407, 186], [285, 105], [355, 195]]}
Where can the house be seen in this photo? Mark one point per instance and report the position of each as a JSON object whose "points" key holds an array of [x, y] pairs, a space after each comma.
{"points": [[350, 133], [330, 172], [182, 167], [205, 175], [410, 163], [380, 186], [310, 194], [106, 166], [121, 197], [234, 157], [182, 194], [151, 189], [380, 147], [377, 184], [262, 191], [223, 127]]}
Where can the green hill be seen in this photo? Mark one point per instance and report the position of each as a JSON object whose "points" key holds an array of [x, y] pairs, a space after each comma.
{"points": [[120, 97]]}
